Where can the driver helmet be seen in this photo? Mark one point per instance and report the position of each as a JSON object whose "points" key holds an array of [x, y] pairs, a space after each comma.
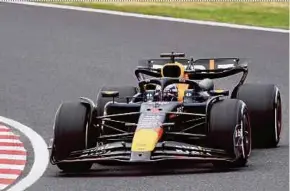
{"points": [[170, 93]]}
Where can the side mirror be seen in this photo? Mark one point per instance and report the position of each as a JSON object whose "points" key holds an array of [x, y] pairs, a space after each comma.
{"points": [[112, 94]]}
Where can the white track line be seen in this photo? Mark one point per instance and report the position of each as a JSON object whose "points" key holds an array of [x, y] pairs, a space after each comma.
{"points": [[41, 156], [189, 21]]}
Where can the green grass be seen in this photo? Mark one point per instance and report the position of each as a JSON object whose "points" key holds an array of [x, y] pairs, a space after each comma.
{"points": [[275, 15]]}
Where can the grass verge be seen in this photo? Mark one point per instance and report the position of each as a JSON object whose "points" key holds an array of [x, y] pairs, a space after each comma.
{"points": [[274, 15]]}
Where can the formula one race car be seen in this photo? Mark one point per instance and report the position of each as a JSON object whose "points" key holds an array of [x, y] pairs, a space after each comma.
{"points": [[175, 113]]}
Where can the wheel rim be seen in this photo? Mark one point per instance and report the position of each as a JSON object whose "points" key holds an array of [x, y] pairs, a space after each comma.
{"points": [[278, 116], [239, 141], [242, 138], [247, 133], [86, 134]]}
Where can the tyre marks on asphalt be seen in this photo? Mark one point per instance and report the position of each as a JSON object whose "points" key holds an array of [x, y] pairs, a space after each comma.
{"points": [[12, 157]]}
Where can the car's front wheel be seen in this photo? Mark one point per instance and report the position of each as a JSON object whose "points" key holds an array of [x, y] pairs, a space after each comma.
{"points": [[71, 133], [230, 130]]}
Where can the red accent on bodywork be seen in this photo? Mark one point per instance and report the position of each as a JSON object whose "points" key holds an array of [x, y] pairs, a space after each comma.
{"points": [[172, 116], [159, 130]]}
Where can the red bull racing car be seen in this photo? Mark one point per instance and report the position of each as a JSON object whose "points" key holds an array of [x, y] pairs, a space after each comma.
{"points": [[175, 113]]}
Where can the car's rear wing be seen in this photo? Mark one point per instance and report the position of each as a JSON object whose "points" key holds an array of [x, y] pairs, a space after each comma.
{"points": [[157, 64], [215, 63], [197, 69], [200, 68], [216, 68]]}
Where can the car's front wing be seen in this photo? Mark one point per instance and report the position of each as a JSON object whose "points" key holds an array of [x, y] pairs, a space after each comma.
{"points": [[168, 150]]}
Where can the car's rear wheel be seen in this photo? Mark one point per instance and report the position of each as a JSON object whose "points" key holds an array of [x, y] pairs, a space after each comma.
{"points": [[71, 133], [264, 104], [230, 130]]}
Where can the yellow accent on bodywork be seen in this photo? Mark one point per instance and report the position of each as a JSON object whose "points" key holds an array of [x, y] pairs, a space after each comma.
{"points": [[219, 91], [211, 64], [144, 140], [181, 90], [109, 92]]}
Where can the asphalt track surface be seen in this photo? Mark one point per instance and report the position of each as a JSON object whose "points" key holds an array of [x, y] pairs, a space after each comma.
{"points": [[50, 55]]}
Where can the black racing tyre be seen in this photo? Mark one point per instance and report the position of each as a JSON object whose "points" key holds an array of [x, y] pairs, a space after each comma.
{"points": [[70, 134], [265, 109], [124, 91], [230, 130]]}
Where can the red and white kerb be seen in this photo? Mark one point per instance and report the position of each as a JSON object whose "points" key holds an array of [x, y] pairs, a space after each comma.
{"points": [[12, 157]]}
